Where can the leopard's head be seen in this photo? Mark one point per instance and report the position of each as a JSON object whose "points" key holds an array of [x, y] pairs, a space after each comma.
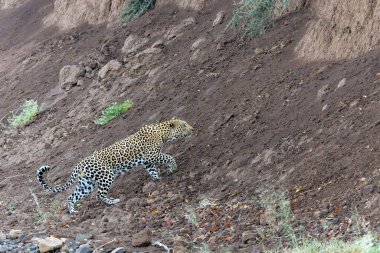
{"points": [[177, 129]]}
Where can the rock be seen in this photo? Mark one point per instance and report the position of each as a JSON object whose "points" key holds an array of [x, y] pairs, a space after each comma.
{"points": [[48, 244], [84, 249], [68, 76], [341, 83], [247, 236], [142, 238], [81, 238], [197, 43], [3, 236], [90, 75], [176, 30], [3, 249], [354, 103], [148, 187], [118, 250], [219, 18], [80, 82], [15, 234], [112, 65], [133, 43], [88, 69], [259, 50], [322, 91], [158, 44]]}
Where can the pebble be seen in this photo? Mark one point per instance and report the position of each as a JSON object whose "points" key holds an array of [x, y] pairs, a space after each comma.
{"points": [[15, 233], [83, 237]]}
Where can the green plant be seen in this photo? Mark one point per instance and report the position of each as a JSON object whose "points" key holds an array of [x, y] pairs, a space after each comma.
{"points": [[30, 110], [191, 216], [279, 215], [114, 111], [136, 8], [364, 244], [203, 248], [253, 16], [10, 207]]}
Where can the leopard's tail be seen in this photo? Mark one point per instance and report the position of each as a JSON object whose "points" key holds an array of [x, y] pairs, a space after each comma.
{"points": [[40, 178]]}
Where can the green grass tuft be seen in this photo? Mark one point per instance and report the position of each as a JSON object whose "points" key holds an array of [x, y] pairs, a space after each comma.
{"points": [[29, 111], [253, 16], [114, 111], [364, 244], [136, 8]]}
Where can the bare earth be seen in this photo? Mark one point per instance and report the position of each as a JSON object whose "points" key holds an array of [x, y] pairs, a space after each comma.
{"points": [[263, 119]]}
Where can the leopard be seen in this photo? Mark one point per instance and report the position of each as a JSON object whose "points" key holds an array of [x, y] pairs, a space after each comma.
{"points": [[101, 168]]}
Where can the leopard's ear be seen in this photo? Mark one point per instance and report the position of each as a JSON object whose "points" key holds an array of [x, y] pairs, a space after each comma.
{"points": [[174, 117]]}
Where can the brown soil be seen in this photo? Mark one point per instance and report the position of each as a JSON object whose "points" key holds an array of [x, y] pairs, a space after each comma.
{"points": [[266, 120]]}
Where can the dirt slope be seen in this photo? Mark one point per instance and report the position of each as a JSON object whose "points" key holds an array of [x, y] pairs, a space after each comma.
{"points": [[263, 119]]}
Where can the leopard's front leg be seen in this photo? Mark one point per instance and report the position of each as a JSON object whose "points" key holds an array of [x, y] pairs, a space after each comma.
{"points": [[169, 160]]}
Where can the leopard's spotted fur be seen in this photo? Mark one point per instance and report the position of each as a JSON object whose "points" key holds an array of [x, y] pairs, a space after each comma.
{"points": [[101, 168]]}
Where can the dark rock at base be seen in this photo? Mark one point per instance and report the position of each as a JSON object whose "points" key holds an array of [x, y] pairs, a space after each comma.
{"points": [[84, 249]]}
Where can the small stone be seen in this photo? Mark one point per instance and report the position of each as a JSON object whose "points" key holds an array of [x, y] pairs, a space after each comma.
{"points": [[80, 82], [341, 83], [219, 18], [248, 235], [88, 69], [3, 249], [15, 234], [322, 91], [48, 244], [84, 249], [259, 50], [133, 43], [80, 238], [158, 44], [90, 75], [142, 238], [354, 103], [112, 65], [197, 43], [118, 250]]}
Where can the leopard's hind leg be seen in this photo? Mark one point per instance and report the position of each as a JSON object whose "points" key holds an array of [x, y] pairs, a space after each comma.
{"points": [[84, 188], [103, 187]]}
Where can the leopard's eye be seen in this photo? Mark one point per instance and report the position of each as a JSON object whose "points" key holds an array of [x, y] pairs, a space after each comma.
{"points": [[171, 125]]}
